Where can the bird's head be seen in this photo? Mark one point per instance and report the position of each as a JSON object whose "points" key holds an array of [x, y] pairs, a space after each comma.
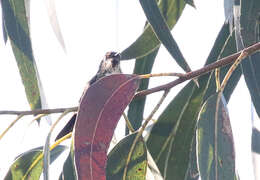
{"points": [[110, 64]]}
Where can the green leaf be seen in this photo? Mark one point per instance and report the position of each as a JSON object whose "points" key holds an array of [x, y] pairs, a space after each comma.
{"points": [[17, 28], [147, 41], [249, 22], [136, 107], [230, 48], [162, 31], [69, 170], [3, 29], [118, 156], [215, 148], [172, 135], [192, 172], [21, 167]]}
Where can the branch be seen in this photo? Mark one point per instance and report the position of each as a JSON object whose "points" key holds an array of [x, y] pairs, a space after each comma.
{"points": [[193, 74], [182, 77], [39, 111]]}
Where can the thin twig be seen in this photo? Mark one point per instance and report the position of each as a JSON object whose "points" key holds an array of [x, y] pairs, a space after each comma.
{"points": [[128, 123], [140, 132], [39, 111], [191, 75], [145, 76], [231, 70], [11, 125]]}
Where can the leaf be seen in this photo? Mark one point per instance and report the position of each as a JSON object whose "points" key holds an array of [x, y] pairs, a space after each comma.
{"points": [[248, 36], [229, 48], [21, 167], [17, 28], [99, 111], [118, 156], [147, 41], [162, 31], [50, 5], [192, 172], [69, 171], [215, 148], [172, 135], [136, 107], [256, 141], [4, 29]]}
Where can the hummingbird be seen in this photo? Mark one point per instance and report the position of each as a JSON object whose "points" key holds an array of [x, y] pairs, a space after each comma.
{"points": [[110, 64]]}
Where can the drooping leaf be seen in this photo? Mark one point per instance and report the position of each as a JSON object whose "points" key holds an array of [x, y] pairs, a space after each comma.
{"points": [[230, 48], [172, 135], [246, 16], [99, 111], [21, 167], [147, 41], [215, 148], [256, 141], [118, 156], [17, 28], [192, 172], [162, 31], [69, 171], [136, 107], [4, 29], [54, 21]]}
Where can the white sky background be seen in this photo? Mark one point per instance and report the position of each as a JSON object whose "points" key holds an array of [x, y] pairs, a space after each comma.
{"points": [[91, 28]]}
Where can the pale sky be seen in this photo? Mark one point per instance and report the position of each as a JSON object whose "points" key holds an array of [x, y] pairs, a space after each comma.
{"points": [[91, 28]]}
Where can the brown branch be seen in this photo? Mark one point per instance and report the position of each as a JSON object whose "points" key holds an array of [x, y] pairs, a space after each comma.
{"points": [[39, 111], [193, 74], [183, 77]]}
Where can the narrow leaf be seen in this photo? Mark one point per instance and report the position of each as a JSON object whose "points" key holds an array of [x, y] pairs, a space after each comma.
{"points": [[162, 31], [21, 167], [50, 5], [99, 111], [4, 29], [118, 156], [69, 171], [215, 148], [192, 172], [17, 28], [147, 41], [136, 107]]}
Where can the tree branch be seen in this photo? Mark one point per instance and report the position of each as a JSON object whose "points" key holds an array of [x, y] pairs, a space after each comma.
{"points": [[39, 111], [193, 74], [183, 77]]}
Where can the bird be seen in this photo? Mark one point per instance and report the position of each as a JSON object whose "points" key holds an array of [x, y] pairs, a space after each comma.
{"points": [[110, 64]]}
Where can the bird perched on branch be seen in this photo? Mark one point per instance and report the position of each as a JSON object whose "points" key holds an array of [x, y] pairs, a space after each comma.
{"points": [[110, 64]]}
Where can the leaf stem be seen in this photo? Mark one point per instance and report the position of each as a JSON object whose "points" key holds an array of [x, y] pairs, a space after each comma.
{"points": [[140, 132]]}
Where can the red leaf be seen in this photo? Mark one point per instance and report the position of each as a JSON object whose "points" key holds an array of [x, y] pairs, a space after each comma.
{"points": [[99, 111]]}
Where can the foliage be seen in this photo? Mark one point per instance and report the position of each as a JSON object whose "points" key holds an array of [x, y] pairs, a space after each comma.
{"points": [[191, 138]]}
